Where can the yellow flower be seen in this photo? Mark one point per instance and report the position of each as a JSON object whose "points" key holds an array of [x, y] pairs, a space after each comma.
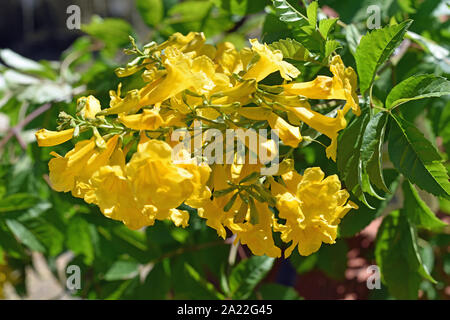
{"points": [[63, 170], [312, 207], [78, 163], [192, 42], [177, 79], [228, 59], [290, 135], [98, 159], [149, 119], [91, 106], [205, 79], [116, 201], [258, 237], [47, 138], [341, 86], [269, 61], [155, 179], [324, 124], [128, 104]]}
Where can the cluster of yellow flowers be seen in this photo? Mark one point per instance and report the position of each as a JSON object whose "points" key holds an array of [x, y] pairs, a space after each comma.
{"points": [[126, 168]]}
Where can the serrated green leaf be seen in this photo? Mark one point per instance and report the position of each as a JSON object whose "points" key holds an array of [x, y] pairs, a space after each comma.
{"points": [[418, 211], [311, 13], [292, 49], [417, 87], [371, 150], [374, 49], [247, 274], [287, 13], [397, 256], [151, 11], [326, 25], [416, 158], [358, 219], [331, 46], [349, 155]]}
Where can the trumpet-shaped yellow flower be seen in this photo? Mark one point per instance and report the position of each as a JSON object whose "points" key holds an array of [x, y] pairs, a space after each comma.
{"points": [[324, 124], [77, 165], [228, 59], [99, 158], [155, 179], [91, 106], [313, 207], [341, 86], [258, 237], [290, 135], [116, 200], [63, 170], [269, 61], [177, 79], [47, 138], [149, 119]]}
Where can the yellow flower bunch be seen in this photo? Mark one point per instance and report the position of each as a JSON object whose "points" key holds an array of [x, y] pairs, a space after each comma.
{"points": [[135, 171]]}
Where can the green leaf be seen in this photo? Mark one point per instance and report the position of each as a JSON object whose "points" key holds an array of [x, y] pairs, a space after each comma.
{"points": [[358, 219], [275, 291], [247, 274], [292, 49], [326, 25], [353, 37], [200, 280], [397, 256], [417, 210], [417, 87], [303, 264], [79, 240], [157, 283], [349, 155], [333, 259], [287, 13], [113, 32], [331, 46], [24, 235], [122, 270], [18, 201], [311, 13], [371, 151], [152, 11], [230, 203], [416, 158], [374, 49], [47, 234]]}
